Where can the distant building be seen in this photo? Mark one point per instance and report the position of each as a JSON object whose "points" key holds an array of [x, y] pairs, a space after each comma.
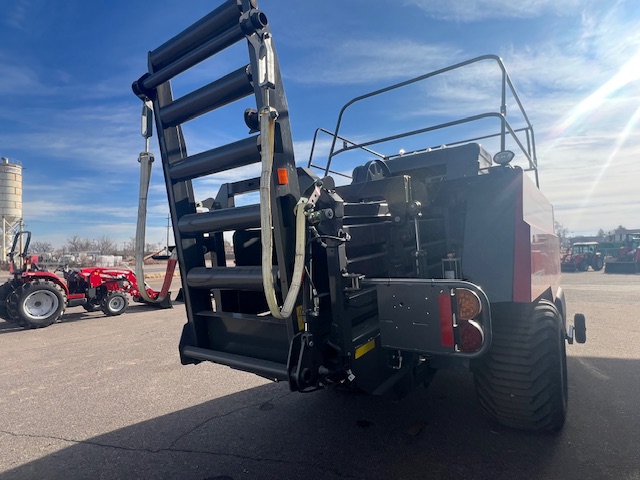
{"points": [[622, 234]]}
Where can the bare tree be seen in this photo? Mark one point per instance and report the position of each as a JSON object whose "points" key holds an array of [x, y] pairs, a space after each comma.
{"points": [[563, 234], [105, 246], [78, 244], [40, 247], [152, 248], [128, 249]]}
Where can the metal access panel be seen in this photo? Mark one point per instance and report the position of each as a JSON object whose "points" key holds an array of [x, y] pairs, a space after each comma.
{"points": [[419, 315], [410, 316]]}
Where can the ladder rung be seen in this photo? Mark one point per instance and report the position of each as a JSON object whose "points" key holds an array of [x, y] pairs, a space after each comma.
{"points": [[222, 18], [247, 278], [268, 318], [232, 155], [266, 368], [231, 87], [226, 219]]}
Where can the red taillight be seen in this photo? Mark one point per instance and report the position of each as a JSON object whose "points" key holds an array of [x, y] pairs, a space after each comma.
{"points": [[471, 335]]}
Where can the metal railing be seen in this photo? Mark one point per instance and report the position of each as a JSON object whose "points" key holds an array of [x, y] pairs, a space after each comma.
{"points": [[526, 144]]}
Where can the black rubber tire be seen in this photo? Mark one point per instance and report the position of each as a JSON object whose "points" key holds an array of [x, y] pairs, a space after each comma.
{"points": [[580, 328], [115, 303], [12, 307], [522, 381], [40, 303], [582, 267], [91, 307], [597, 264], [5, 290]]}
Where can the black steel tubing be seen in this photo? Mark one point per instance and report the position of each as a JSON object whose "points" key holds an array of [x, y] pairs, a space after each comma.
{"points": [[181, 64], [227, 89], [266, 368], [222, 18], [231, 278], [226, 219], [232, 155]]}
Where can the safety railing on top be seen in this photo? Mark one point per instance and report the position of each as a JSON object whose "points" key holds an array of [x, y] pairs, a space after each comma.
{"points": [[526, 145]]}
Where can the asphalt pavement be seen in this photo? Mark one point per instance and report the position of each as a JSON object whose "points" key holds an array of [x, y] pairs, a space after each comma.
{"points": [[98, 397]]}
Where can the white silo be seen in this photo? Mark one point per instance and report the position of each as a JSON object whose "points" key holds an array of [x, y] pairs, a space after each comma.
{"points": [[10, 203]]}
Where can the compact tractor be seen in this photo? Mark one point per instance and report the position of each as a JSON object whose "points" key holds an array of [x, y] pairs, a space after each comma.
{"points": [[392, 255], [36, 298], [581, 256]]}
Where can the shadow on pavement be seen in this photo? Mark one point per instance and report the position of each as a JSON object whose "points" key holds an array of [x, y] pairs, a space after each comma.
{"points": [[268, 432], [77, 314]]}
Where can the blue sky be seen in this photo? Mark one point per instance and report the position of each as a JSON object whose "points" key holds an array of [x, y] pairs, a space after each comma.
{"points": [[69, 117]]}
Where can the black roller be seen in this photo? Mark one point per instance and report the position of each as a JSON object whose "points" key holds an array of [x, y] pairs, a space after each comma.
{"points": [[229, 278], [150, 81], [237, 154], [222, 18], [223, 91], [226, 219]]}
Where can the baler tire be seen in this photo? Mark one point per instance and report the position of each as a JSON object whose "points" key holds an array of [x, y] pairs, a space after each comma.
{"points": [[40, 303], [115, 303], [522, 381]]}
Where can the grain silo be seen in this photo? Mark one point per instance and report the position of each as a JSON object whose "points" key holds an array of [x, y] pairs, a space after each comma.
{"points": [[10, 203]]}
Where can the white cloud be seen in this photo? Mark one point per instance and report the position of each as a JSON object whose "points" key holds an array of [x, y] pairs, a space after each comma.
{"points": [[377, 60], [477, 10]]}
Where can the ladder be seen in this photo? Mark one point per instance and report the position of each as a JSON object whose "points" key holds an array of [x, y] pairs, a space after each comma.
{"points": [[228, 320]]}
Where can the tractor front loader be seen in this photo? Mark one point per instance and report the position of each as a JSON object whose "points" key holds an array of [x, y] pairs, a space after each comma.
{"points": [[627, 259], [369, 275], [36, 298]]}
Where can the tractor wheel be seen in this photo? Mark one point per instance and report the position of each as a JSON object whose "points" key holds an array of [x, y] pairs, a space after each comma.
{"points": [[40, 303], [522, 381], [12, 307], [597, 264], [5, 290], [115, 303], [90, 307], [582, 266]]}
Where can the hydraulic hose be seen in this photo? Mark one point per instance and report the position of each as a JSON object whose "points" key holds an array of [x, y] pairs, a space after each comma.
{"points": [[267, 140]]}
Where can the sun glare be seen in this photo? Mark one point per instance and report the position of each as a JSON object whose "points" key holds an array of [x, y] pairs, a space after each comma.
{"points": [[629, 72]]}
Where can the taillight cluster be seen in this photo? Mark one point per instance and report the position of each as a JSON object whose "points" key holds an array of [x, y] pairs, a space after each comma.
{"points": [[470, 335]]}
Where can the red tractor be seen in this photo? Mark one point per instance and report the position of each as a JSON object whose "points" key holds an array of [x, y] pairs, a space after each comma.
{"points": [[581, 256], [627, 259], [36, 298]]}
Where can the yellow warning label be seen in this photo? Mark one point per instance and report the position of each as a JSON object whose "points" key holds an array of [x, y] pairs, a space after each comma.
{"points": [[367, 347]]}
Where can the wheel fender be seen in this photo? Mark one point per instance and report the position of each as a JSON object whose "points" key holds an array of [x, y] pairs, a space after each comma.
{"points": [[61, 284], [561, 305], [54, 279]]}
